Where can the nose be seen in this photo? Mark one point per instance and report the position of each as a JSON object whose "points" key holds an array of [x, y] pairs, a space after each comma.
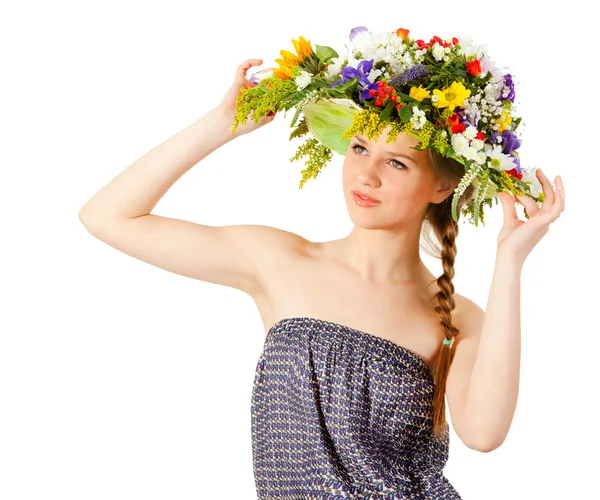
{"points": [[368, 173]]}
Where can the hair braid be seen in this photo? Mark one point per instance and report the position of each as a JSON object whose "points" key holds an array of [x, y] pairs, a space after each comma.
{"points": [[445, 304]]}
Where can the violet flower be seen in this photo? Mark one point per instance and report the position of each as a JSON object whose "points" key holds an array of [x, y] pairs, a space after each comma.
{"points": [[508, 84], [356, 31], [409, 75], [363, 69], [510, 141]]}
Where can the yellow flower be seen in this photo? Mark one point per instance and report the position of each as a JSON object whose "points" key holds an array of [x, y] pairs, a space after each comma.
{"points": [[452, 96], [504, 120], [303, 51], [419, 93]]}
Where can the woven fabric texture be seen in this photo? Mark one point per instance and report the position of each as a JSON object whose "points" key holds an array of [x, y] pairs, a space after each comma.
{"points": [[339, 413]]}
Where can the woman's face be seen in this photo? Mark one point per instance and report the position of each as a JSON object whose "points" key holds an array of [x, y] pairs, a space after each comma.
{"points": [[401, 178]]}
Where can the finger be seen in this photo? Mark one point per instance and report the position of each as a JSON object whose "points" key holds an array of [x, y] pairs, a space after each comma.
{"points": [[242, 68], [530, 205], [508, 206], [547, 188], [559, 204], [561, 187]]}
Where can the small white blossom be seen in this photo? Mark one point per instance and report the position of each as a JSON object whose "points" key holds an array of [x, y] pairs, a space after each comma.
{"points": [[477, 144], [481, 157], [418, 118], [437, 51], [446, 58], [470, 153], [470, 132], [303, 79], [459, 143], [434, 98], [534, 184]]}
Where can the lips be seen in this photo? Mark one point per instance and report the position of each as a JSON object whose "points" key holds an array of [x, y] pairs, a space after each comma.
{"points": [[366, 196]]}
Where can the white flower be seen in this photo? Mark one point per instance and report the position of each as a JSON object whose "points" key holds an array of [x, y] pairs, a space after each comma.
{"points": [[459, 143], [418, 118], [335, 66], [488, 64], [470, 132], [446, 58], [498, 160], [470, 153], [477, 144], [438, 51], [481, 157], [373, 75], [530, 178], [434, 98], [468, 48], [303, 79]]}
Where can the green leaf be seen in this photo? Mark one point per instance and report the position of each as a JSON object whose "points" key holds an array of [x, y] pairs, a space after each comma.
{"points": [[325, 53], [327, 121], [386, 113], [405, 113]]}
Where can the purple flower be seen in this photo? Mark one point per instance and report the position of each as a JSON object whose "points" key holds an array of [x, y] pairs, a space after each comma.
{"points": [[510, 141], [471, 119], [409, 75], [363, 69], [510, 93], [356, 31], [515, 158]]}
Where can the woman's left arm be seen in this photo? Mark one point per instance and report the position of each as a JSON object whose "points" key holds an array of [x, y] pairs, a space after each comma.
{"points": [[491, 395]]}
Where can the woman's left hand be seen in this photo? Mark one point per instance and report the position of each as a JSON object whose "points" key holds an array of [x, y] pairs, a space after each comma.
{"points": [[517, 237]]}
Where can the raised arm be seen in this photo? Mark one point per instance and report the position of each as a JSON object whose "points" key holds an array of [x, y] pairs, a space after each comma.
{"points": [[119, 213]]}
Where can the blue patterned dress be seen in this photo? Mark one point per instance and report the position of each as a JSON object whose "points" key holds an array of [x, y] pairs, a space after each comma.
{"points": [[339, 413]]}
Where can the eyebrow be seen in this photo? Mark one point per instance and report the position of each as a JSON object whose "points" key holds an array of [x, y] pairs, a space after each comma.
{"points": [[388, 150]]}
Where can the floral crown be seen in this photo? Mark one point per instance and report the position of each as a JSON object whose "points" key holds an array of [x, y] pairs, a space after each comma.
{"points": [[447, 94]]}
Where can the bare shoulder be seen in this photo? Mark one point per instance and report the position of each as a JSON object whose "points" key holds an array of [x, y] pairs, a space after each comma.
{"points": [[272, 249], [467, 317]]}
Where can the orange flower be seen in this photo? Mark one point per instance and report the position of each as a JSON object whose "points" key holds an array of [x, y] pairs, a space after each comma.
{"points": [[303, 51], [401, 32]]}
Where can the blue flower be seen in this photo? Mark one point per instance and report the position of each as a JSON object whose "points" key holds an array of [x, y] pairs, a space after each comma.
{"points": [[361, 72], [356, 31], [508, 84]]}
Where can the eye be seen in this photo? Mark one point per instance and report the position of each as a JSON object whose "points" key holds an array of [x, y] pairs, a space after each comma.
{"points": [[401, 166]]}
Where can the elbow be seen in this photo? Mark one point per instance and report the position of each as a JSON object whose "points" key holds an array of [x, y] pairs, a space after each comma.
{"points": [[484, 445], [87, 220]]}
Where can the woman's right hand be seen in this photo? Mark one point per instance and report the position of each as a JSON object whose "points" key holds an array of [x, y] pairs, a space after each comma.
{"points": [[228, 103]]}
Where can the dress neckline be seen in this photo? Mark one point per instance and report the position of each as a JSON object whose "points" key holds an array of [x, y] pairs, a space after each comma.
{"points": [[375, 338]]}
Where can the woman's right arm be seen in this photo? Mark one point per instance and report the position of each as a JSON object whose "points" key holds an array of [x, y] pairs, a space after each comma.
{"points": [[119, 214]]}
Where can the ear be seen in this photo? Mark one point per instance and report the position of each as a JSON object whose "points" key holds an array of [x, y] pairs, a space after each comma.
{"points": [[442, 191]]}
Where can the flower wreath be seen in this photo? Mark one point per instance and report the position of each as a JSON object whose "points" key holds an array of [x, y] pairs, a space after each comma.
{"points": [[447, 94]]}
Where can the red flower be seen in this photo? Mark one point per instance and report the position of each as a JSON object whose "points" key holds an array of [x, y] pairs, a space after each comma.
{"points": [[453, 120], [455, 41], [480, 136], [458, 128], [474, 67], [513, 172]]}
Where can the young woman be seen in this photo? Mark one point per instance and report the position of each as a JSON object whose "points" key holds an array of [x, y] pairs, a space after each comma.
{"points": [[363, 341]]}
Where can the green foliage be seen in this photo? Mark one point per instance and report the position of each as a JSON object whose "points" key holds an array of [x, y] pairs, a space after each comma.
{"points": [[318, 156]]}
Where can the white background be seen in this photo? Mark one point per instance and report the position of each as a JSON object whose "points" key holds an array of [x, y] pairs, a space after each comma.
{"points": [[121, 381]]}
